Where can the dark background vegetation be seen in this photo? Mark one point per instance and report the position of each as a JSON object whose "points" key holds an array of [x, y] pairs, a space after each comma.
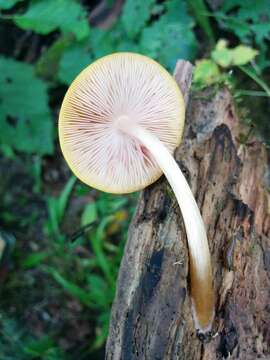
{"points": [[60, 241]]}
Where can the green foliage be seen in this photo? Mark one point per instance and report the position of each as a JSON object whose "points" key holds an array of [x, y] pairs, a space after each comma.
{"points": [[45, 16], [217, 71], [255, 77], [43, 348], [24, 113], [48, 63], [225, 57], [171, 36], [250, 21], [155, 43], [151, 40], [57, 207], [72, 289], [209, 71], [7, 4], [136, 13], [199, 10], [74, 60], [163, 31], [34, 259], [90, 281], [89, 214], [206, 73], [16, 344]]}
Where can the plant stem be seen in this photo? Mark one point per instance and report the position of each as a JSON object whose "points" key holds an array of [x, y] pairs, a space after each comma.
{"points": [[241, 92], [256, 78]]}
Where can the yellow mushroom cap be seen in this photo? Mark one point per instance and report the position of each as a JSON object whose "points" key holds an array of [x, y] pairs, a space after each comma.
{"points": [[129, 86]]}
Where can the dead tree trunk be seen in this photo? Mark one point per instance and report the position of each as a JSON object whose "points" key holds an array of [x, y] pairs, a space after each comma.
{"points": [[151, 316]]}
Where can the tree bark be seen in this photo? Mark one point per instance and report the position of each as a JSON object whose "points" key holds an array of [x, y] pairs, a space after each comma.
{"points": [[151, 316]]}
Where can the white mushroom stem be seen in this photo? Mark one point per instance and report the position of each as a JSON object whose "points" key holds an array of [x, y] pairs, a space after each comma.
{"points": [[200, 261]]}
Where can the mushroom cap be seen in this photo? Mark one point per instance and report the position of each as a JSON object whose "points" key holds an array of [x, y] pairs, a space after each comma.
{"points": [[132, 87]]}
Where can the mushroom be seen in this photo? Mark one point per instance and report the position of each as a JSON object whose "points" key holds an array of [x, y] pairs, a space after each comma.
{"points": [[119, 124]]}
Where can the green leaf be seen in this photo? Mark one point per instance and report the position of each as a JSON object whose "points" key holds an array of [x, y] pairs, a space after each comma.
{"points": [[64, 197], [176, 11], [24, 112], [7, 4], [249, 20], [56, 208], [106, 42], [97, 240], [34, 259], [45, 16], [89, 214], [73, 61], [135, 15], [39, 347], [199, 10], [249, 9], [206, 72], [243, 54], [7, 151], [71, 288], [101, 293], [225, 57], [249, 13], [252, 74], [221, 54], [48, 63], [181, 44], [171, 37], [53, 222]]}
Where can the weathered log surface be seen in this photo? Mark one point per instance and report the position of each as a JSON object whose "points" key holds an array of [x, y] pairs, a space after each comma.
{"points": [[151, 316]]}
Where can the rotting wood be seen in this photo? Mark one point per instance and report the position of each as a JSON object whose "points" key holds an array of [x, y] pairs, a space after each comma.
{"points": [[151, 316]]}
